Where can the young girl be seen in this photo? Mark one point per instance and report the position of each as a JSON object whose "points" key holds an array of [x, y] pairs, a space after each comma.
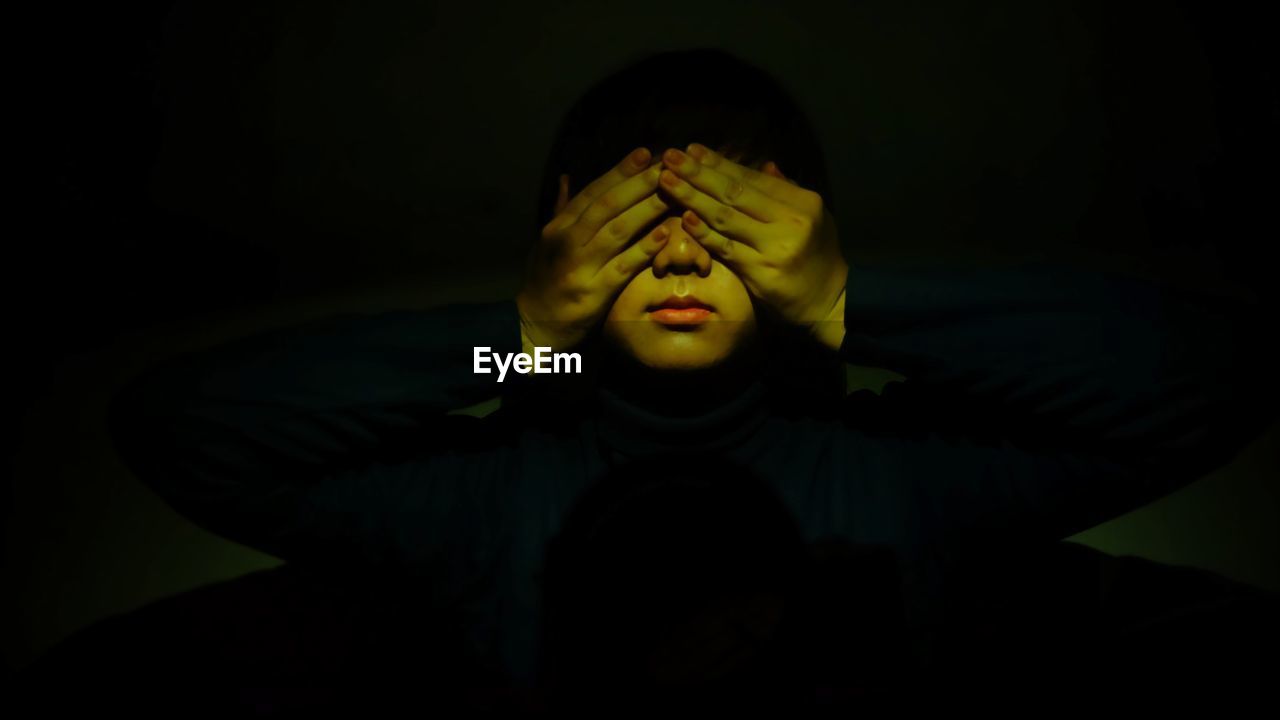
{"points": [[701, 280]]}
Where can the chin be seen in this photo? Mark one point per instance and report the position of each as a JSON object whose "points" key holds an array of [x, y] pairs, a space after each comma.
{"points": [[681, 351]]}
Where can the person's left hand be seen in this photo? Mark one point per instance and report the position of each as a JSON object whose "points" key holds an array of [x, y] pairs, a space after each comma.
{"points": [[776, 236]]}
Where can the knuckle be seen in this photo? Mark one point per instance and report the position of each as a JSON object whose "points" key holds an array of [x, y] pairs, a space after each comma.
{"points": [[574, 235], [733, 191], [618, 229], [576, 281], [801, 222], [722, 216], [595, 215]]}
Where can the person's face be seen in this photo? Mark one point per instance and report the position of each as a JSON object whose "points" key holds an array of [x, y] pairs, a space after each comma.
{"points": [[685, 311]]}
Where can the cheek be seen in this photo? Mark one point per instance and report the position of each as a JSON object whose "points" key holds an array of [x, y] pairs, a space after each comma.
{"points": [[735, 300], [631, 301]]}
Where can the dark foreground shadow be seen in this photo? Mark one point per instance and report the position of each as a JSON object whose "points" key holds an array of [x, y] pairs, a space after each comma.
{"points": [[671, 591]]}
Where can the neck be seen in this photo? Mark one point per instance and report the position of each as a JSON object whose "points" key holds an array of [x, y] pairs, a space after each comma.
{"points": [[679, 393]]}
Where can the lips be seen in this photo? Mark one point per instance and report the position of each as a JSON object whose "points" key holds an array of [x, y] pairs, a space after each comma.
{"points": [[680, 303], [685, 310]]}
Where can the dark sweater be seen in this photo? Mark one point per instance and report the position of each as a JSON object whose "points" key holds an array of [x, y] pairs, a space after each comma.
{"points": [[1038, 402]]}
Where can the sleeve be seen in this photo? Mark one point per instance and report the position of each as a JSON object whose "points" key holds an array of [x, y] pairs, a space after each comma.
{"points": [[1039, 401], [311, 441]]}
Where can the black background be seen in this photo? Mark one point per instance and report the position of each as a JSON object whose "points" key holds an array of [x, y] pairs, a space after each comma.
{"points": [[201, 164]]}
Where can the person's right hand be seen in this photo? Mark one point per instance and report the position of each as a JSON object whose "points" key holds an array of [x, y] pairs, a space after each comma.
{"points": [[585, 256]]}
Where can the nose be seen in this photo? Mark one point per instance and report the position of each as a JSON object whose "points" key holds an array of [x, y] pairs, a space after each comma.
{"points": [[682, 253]]}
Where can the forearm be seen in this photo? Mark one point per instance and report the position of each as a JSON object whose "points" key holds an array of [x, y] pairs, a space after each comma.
{"points": [[227, 432], [421, 359], [830, 331], [1040, 402], [1056, 357]]}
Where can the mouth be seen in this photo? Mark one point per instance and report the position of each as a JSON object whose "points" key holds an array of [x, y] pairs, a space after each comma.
{"points": [[686, 310]]}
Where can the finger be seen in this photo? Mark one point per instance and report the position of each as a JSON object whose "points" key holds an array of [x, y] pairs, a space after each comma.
{"points": [[772, 168], [635, 162], [727, 190], [739, 257], [615, 201], [562, 197], [616, 274], [725, 219], [613, 236], [778, 188]]}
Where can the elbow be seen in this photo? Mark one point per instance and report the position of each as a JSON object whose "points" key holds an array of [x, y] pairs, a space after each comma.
{"points": [[129, 421], [149, 436], [136, 420]]}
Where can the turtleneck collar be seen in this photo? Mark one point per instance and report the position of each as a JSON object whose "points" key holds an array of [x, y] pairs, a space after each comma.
{"points": [[640, 411], [630, 430]]}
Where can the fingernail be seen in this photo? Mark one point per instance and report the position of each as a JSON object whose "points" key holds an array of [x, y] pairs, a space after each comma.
{"points": [[661, 234], [674, 157], [640, 156], [697, 151], [692, 219], [669, 178]]}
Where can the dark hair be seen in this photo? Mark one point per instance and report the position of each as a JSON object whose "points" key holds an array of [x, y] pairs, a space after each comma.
{"points": [[672, 99], [709, 96]]}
